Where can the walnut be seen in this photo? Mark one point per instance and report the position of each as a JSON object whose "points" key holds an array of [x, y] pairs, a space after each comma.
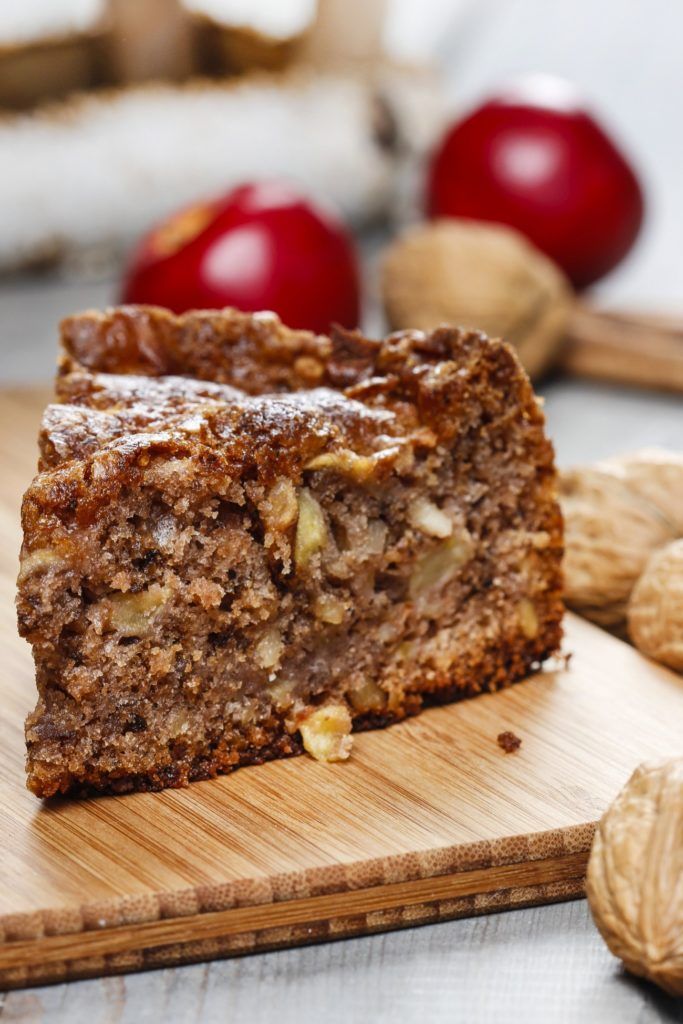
{"points": [[281, 507], [610, 532], [40, 559], [368, 697], [281, 693], [657, 476], [440, 564], [528, 618], [635, 875], [348, 463], [655, 611], [376, 537], [133, 614], [326, 733], [328, 608], [311, 529], [478, 275], [427, 517], [268, 650]]}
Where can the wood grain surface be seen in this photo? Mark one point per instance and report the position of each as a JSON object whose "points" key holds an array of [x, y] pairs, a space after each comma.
{"points": [[645, 350], [429, 820]]}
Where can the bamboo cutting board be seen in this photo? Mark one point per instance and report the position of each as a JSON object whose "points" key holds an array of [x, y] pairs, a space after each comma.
{"points": [[429, 820]]}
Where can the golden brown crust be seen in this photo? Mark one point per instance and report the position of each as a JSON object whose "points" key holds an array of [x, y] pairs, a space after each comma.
{"points": [[225, 346], [401, 390], [256, 353]]}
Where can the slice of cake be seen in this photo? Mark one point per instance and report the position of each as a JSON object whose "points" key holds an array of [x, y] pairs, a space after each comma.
{"points": [[243, 540]]}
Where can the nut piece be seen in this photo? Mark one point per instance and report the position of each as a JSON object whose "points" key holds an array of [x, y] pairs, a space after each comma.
{"points": [[657, 476], [478, 275], [281, 693], [376, 537], [281, 507], [269, 648], [368, 697], [326, 733], [40, 558], [311, 530], [359, 467], [133, 614], [424, 515], [328, 608], [655, 611], [610, 532], [528, 619], [441, 563], [635, 875]]}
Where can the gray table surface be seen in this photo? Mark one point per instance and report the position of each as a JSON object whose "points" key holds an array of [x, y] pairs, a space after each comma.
{"points": [[539, 965]]}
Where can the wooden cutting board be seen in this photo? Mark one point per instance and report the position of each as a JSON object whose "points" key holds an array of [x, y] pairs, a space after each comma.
{"points": [[429, 820]]}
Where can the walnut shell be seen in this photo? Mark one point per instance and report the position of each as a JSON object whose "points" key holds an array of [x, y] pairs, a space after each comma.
{"points": [[657, 475], [477, 275], [610, 532], [635, 875], [655, 611]]}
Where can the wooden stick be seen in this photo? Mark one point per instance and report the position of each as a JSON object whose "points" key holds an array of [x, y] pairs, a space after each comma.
{"points": [[626, 348], [345, 32], [148, 41]]}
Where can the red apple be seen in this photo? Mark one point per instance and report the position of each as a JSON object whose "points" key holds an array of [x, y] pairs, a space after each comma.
{"points": [[261, 246], [533, 157]]}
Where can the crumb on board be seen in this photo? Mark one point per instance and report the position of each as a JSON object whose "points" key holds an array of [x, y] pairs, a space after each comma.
{"points": [[508, 742]]}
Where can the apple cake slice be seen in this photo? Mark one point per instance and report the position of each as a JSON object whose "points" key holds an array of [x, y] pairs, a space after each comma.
{"points": [[244, 541]]}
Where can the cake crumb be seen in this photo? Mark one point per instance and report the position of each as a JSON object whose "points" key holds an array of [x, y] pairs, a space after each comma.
{"points": [[508, 742]]}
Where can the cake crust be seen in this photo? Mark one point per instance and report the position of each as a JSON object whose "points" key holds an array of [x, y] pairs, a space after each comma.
{"points": [[184, 623]]}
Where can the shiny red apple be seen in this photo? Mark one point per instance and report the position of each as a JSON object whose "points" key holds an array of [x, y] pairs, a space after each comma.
{"points": [[261, 246], [534, 157]]}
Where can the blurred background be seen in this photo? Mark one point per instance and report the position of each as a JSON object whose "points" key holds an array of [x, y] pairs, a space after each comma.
{"points": [[127, 125]]}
